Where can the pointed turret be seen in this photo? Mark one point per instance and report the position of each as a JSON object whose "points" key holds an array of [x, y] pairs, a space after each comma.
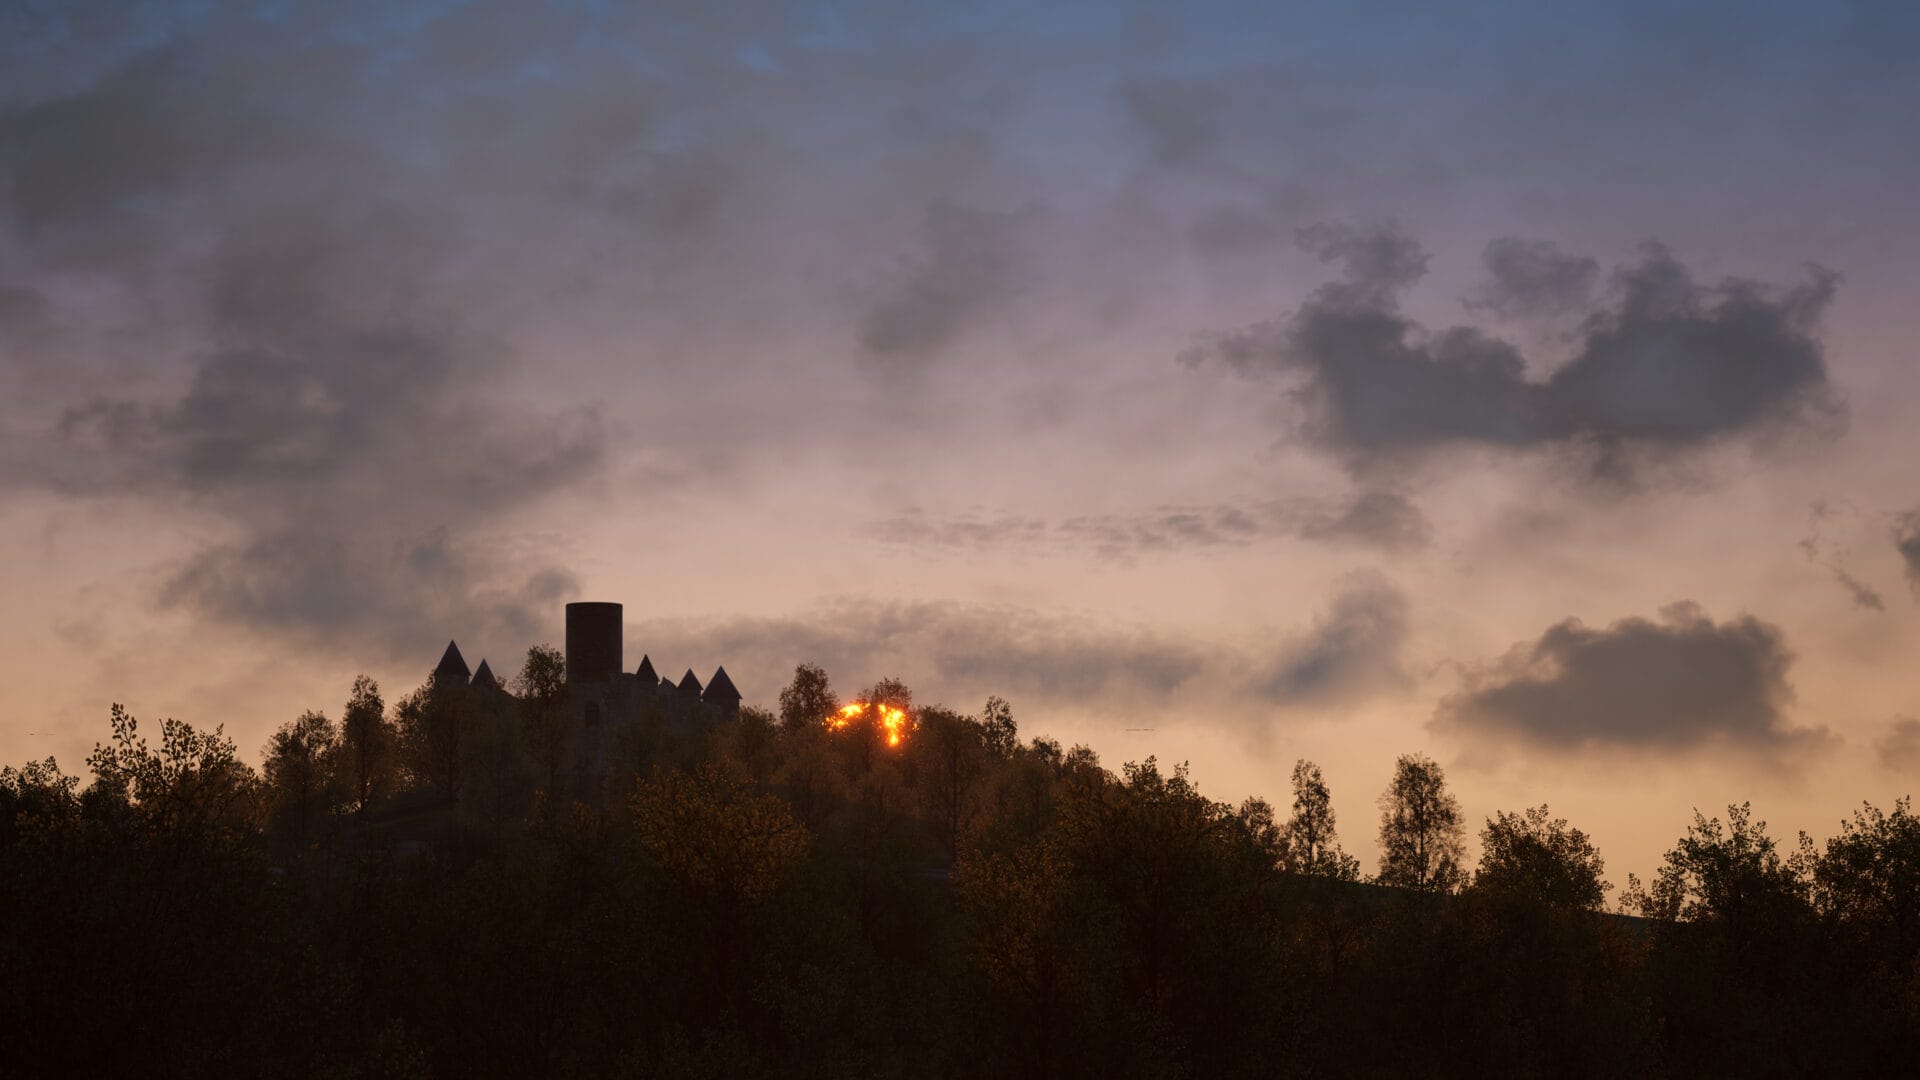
{"points": [[720, 690], [452, 669], [483, 677], [690, 684], [645, 671]]}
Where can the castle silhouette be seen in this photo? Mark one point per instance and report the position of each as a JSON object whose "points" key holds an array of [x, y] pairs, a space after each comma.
{"points": [[602, 693]]}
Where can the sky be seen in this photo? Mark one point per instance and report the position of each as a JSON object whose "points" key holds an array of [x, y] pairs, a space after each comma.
{"points": [[1525, 385]]}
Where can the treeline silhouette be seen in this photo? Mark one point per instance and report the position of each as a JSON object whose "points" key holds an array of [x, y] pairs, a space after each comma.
{"points": [[450, 887]]}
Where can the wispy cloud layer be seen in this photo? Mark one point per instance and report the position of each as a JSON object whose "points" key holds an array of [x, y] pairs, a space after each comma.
{"points": [[1376, 520]]}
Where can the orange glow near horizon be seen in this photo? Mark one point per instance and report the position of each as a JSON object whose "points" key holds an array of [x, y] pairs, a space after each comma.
{"points": [[894, 722]]}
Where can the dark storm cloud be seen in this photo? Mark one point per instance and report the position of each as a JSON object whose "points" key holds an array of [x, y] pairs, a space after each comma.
{"points": [[969, 266], [1899, 749], [1380, 520], [1352, 652], [1533, 279], [1681, 683], [1906, 540], [1666, 365]]}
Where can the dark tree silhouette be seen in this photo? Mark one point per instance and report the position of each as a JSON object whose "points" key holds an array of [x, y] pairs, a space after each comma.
{"points": [[1731, 874], [1868, 879], [768, 903], [1538, 858], [1420, 828], [432, 723], [951, 750], [546, 713], [298, 764], [999, 732], [808, 700], [193, 786], [1312, 846], [366, 747]]}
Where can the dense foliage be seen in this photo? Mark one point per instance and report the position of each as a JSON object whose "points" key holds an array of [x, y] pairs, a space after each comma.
{"points": [[445, 888]]}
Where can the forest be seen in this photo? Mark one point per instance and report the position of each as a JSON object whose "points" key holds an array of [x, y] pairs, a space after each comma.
{"points": [[445, 886]]}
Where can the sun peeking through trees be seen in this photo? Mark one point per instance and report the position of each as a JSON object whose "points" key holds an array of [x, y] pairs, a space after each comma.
{"points": [[890, 724]]}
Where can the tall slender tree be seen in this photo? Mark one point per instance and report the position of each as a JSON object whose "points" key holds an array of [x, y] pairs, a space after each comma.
{"points": [[1420, 828], [545, 712], [365, 751], [1312, 846]]}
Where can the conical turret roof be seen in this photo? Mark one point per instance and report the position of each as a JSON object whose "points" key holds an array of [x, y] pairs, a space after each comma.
{"points": [[645, 671], [720, 689], [690, 684], [452, 666], [483, 677]]}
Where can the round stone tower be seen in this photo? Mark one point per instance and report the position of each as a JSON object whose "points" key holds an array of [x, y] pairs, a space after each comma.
{"points": [[593, 642]]}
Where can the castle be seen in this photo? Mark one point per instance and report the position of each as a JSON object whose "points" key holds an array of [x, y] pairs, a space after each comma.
{"points": [[604, 695]]}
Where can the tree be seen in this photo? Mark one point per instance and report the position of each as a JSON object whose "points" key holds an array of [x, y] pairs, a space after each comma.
{"points": [[722, 848], [297, 764], [545, 711], [715, 836], [35, 795], [432, 724], [1312, 847], [952, 750], [1535, 857], [1263, 829], [193, 786], [1729, 875], [366, 745], [1869, 877], [1001, 734], [1420, 828], [808, 700], [1022, 938]]}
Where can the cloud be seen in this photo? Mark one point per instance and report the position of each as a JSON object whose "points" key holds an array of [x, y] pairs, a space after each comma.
{"points": [[961, 652], [355, 481], [1682, 683], [321, 315], [1821, 552], [1899, 749], [329, 589], [1379, 520], [968, 268], [1180, 120], [1533, 279], [1352, 652], [1906, 540], [947, 649], [916, 529], [1666, 365], [140, 129]]}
